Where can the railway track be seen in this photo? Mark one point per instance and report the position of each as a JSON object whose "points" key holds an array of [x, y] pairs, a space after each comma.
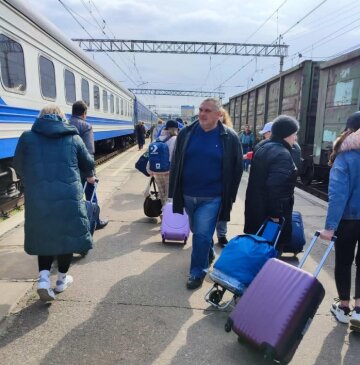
{"points": [[7, 206]]}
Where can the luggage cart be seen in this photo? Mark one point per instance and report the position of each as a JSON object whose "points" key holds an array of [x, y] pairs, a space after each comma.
{"points": [[270, 231]]}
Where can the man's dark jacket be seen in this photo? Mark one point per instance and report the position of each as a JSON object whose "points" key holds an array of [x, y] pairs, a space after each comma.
{"points": [[232, 168], [85, 131], [270, 190]]}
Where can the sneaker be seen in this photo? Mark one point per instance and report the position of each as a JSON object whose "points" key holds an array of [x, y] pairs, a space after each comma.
{"points": [[355, 319], [62, 285], [194, 283], [342, 314], [46, 294], [222, 241]]}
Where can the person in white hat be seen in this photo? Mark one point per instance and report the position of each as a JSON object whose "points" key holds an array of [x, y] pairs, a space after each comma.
{"points": [[266, 131]]}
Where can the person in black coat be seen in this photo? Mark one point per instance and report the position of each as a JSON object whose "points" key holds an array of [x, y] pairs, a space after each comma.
{"points": [[270, 190], [140, 133]]}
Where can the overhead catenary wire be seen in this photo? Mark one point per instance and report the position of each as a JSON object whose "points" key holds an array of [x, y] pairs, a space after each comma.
{"points": [[102, 25], [278, 39], [85, 30]]}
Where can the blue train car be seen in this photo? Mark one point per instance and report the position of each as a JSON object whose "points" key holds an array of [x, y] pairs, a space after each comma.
{"points": [[40, 66]]}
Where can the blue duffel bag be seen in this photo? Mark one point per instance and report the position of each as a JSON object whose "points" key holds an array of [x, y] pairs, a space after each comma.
{"points": [[244, 256]]}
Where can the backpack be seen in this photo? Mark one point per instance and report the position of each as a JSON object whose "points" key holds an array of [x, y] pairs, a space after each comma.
{"points": [[159, 156]]}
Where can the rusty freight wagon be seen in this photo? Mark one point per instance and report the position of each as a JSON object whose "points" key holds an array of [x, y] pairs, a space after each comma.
{"points": [[339, 97], [292, 92]]}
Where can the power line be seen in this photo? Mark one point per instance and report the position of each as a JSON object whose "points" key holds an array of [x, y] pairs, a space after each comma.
{"points": [[278, 39], [77, 21], [102, 29]]}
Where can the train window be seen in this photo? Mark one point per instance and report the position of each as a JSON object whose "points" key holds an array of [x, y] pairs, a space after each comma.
{"points": [[96, 97], [70, 92], [111, 103], [85, 91], [47, 78], [105, 101], [12, 65], [122, 107], [117, 106]]}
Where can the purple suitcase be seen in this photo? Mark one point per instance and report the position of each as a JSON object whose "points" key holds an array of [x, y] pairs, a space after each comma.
{"points": [[277, 308], [174, 227]]}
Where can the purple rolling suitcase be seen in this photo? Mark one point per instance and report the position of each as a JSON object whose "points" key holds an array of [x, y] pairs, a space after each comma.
{"points": [[174, 227], [277, 308]]}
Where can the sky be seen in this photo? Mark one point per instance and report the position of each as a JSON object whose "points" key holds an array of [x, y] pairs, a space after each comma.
{"points": [[313, 29]]}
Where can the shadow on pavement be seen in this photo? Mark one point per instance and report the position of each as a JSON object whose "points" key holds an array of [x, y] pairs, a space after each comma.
{"points": [[23, 322]]}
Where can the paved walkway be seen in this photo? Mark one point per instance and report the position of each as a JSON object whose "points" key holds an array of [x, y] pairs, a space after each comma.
{"points": [[129, 304]]}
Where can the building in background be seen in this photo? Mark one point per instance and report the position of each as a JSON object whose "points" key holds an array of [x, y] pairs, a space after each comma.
{"points": [[187, 112]]}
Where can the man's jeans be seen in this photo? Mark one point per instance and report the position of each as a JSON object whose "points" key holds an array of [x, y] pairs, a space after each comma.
{"points": [[246, 149], [221, 228], [203, 215]]}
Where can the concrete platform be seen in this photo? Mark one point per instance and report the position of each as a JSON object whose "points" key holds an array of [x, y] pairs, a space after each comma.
{"points": [[129, 304]]}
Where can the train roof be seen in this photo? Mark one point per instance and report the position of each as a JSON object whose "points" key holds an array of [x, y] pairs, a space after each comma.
{"points": [[343, 58], [55, 33]]}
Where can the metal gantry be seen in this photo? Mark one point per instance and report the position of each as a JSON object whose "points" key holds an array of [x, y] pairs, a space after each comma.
{"points": [[180, 47], [178, 92]]}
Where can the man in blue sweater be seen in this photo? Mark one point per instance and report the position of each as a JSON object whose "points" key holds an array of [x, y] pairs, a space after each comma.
{"points": [[204, 179]]}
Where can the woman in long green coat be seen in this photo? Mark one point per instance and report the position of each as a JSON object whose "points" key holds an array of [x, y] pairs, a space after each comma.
{"points": [[49, 159]]}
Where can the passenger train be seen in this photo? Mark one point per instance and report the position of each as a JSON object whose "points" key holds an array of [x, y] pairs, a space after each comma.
{"points": [[38, 66], [320, 95]]}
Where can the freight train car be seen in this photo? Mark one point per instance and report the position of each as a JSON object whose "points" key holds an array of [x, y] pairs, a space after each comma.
{"points": [[339, 97], [292, 92]]}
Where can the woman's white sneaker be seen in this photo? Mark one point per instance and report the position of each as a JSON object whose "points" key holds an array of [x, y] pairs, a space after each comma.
{"points": [[342, 314], [355, 319], [44, 291], [63, 283]]}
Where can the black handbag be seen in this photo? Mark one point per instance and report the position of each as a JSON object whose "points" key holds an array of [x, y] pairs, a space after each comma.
{"points": [[152, 203], [142, 162]]}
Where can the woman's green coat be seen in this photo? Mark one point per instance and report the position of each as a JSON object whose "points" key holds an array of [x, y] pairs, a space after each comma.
{"points": [[49, 158]]}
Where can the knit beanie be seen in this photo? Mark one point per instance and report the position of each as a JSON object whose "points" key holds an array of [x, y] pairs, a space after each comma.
{"points": [[284, 126], [353, 122], [171, 124]]}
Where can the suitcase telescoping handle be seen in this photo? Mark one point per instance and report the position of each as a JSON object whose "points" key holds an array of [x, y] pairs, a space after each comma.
{"points": [[94, 191], [323, 259], [280, 225]]}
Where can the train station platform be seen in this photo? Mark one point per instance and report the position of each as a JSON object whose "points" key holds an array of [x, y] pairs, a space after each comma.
{"points": [[129, 303]]}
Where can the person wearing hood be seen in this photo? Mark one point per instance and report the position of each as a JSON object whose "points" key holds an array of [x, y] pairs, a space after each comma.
{"points": [[49, 159], [343, 219], [270, 190]]}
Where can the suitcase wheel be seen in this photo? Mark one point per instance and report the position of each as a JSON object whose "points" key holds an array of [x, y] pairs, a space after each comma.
{"points": [[185, 240], [163, 239], [228, 325], [216, 296]]}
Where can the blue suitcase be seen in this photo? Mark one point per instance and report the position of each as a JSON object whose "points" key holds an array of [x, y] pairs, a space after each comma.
{"points": [[298, 235]]}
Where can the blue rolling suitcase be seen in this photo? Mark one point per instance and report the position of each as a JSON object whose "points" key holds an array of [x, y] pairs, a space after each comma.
{"points": [[298, 235]]}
